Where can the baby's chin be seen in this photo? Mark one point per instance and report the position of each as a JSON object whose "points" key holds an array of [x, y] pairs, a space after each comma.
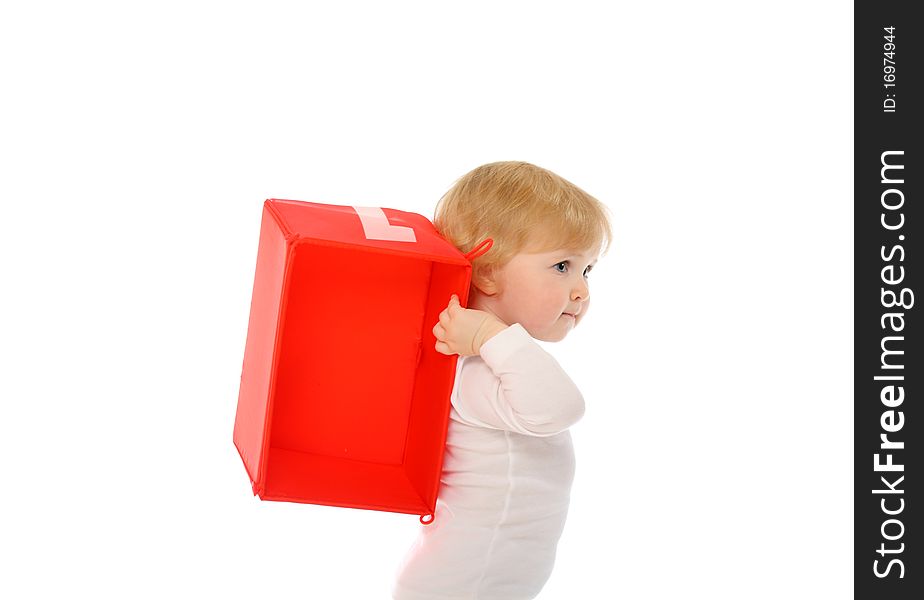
{"points": [[552, 334]]}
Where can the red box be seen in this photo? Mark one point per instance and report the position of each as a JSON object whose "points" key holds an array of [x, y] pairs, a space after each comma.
{"points": [[343, 400]]}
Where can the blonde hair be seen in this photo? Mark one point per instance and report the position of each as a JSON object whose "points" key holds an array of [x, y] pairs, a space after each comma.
{"points": [[523, 208]]}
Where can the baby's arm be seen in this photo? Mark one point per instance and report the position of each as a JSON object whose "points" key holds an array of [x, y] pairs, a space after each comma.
{"points": [[517, 386]]}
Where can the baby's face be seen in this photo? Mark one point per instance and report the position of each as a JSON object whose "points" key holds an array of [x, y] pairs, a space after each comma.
{"points": [[547, 293]]}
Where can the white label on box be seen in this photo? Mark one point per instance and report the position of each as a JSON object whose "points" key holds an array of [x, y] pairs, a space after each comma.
{"points": [[376, 226]]}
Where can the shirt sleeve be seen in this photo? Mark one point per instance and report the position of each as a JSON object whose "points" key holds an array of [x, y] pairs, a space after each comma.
{"points": [[517, 386]]}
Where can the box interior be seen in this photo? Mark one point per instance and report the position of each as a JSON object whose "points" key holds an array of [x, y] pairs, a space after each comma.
{"points": [[359, 387]]}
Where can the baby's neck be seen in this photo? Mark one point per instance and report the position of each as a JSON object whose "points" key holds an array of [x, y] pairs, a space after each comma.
{"points": [[479, 301]]}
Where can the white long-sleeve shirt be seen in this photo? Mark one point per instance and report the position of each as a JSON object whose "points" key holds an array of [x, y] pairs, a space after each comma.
{"points": [[506, 480]]}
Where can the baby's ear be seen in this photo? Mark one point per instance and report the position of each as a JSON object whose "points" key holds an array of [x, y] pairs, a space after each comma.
{"points": [[484, 281]]}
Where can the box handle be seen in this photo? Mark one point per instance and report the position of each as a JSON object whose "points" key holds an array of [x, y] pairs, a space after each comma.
{"points": [[479, 250]]}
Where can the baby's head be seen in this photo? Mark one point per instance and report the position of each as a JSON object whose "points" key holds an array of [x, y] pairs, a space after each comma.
{"points": [[534, 217]]}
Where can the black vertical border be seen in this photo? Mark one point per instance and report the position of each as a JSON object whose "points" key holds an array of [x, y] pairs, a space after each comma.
{"points": [[878, 131]]}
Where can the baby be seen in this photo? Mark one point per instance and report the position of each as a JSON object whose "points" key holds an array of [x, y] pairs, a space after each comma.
{"points": [[509, 461]]}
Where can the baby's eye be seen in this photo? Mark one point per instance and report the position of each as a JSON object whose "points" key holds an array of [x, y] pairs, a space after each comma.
{"points": [[588, 270], [563, 267]]}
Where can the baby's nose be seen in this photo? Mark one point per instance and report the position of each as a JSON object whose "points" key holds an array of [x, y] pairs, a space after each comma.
{"points": [[580, 292]]}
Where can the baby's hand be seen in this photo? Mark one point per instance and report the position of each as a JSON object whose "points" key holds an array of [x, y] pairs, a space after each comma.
{"points": [[463, 330]]}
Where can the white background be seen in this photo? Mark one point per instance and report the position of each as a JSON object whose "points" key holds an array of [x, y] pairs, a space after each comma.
{"points": [[138, 142]]}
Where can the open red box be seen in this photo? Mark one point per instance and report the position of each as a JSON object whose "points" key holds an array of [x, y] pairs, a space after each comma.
{"points": [[343, 400]]}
